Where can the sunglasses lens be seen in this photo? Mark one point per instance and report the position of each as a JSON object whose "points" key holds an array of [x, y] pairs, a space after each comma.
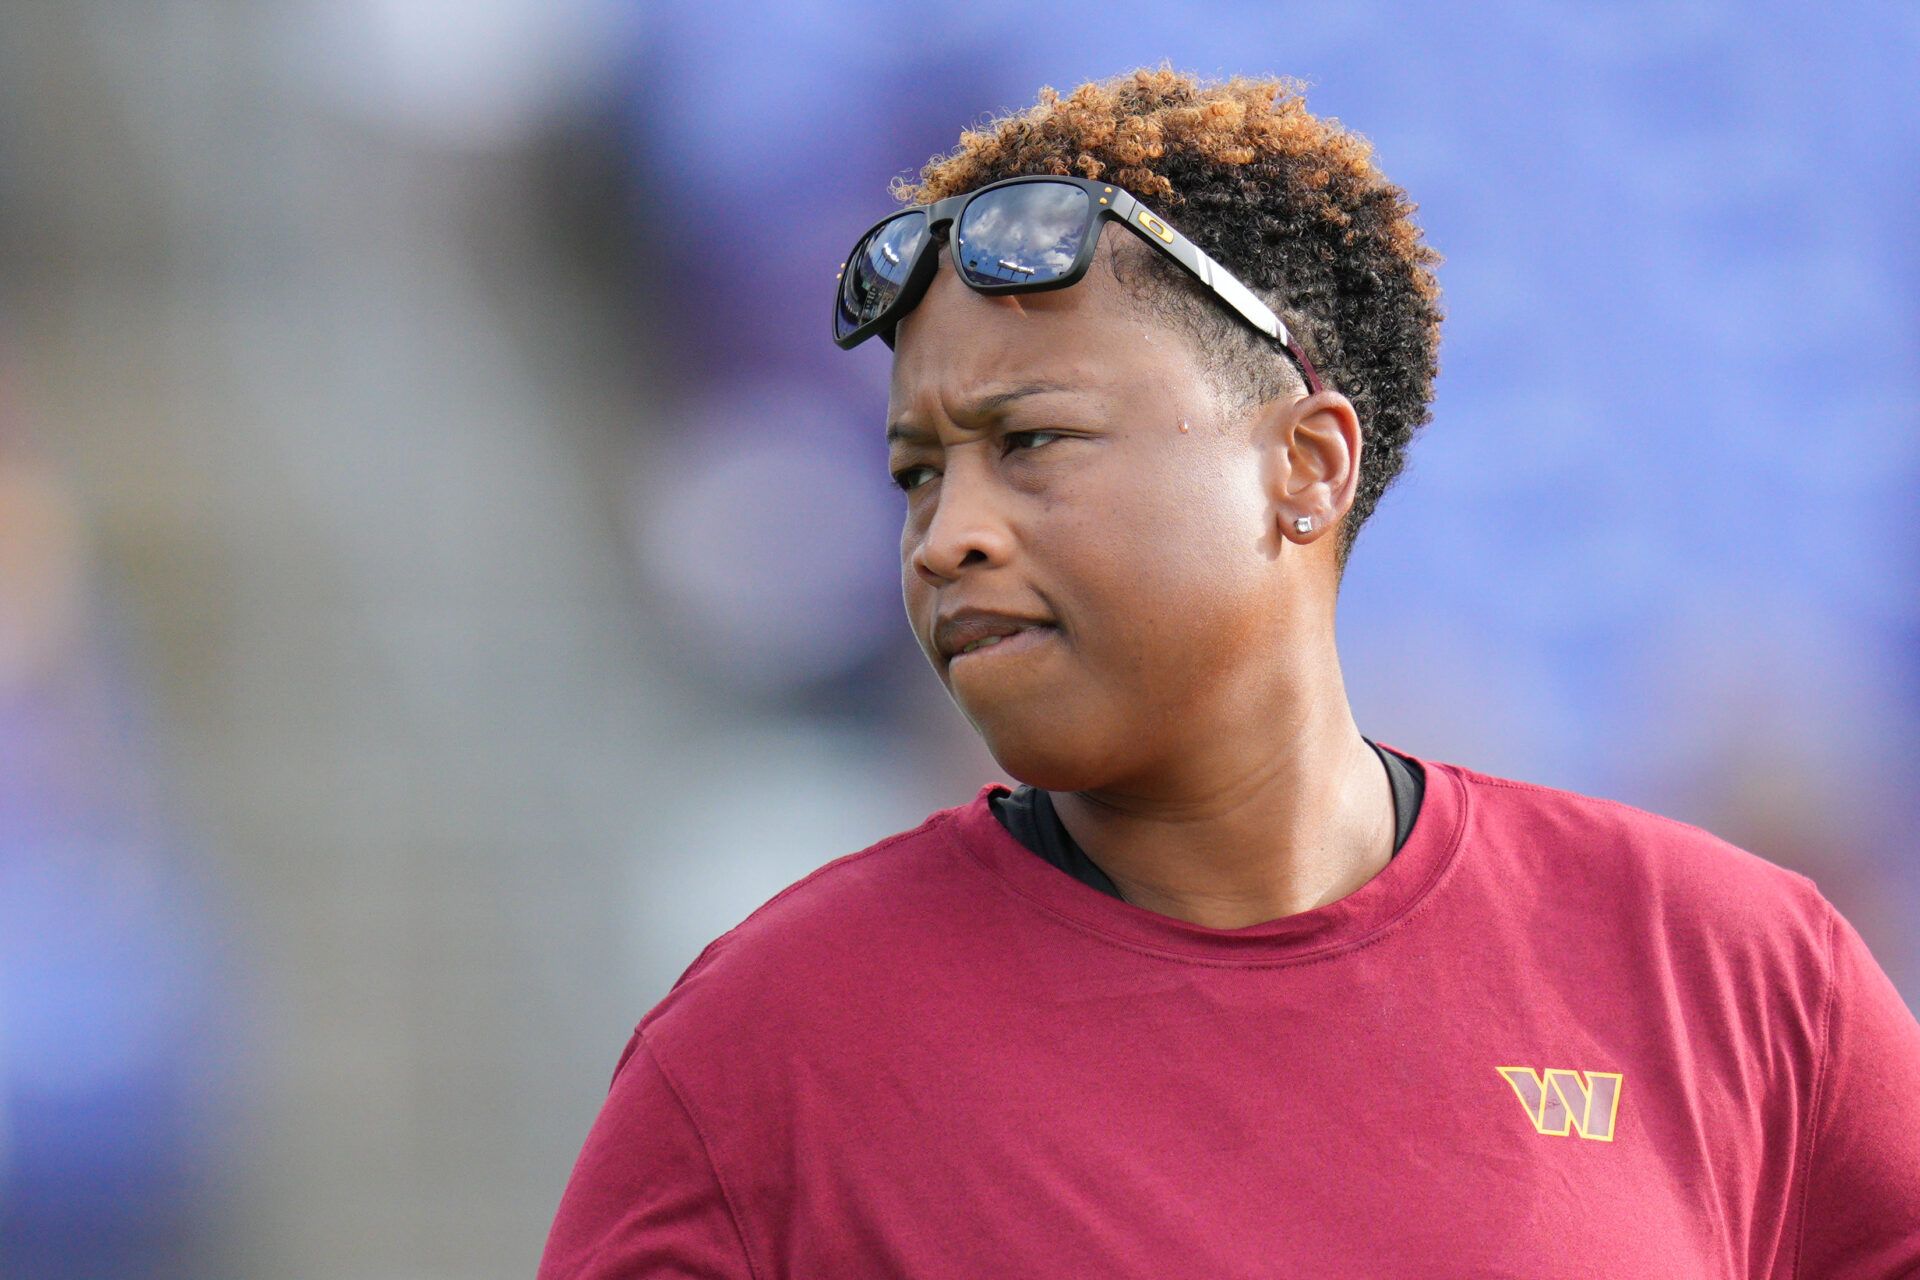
{"points": [[877, 270], [1027, 233]]}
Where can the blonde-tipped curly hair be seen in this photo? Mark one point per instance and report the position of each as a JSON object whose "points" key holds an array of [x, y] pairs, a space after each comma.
{"points": [[1289, 202]]}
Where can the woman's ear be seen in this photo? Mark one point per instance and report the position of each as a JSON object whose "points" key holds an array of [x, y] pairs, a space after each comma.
{"points": [[1312, 467]]}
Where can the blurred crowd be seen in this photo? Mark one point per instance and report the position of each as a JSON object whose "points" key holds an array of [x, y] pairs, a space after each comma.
{"points": [[447, 574]]}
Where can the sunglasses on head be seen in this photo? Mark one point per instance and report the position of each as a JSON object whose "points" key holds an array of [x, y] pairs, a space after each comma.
{"points": [[1018, 235]]}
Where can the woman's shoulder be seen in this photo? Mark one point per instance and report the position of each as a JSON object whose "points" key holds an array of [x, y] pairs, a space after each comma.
{"points": [[821, 941], [1616, 858]]}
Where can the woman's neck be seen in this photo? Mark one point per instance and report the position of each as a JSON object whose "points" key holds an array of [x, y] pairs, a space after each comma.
{"points": [[1292, 826]]}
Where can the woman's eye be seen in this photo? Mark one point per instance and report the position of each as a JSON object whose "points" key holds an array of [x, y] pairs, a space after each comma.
{"points": [[1016, 435], [903, 478]]}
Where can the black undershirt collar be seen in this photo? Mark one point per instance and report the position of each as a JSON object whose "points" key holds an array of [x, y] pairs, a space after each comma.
{"points": [[1028, 814]]}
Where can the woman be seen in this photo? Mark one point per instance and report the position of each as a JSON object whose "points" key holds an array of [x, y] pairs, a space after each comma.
{"points": [[1224, 988]]}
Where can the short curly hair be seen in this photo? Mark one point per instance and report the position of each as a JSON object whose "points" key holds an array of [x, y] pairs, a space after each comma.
{"points": [[1289, 202]]}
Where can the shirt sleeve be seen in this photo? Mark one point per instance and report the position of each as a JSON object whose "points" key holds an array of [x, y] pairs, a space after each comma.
{"points": [[644, 1200], [1862, 1179]]}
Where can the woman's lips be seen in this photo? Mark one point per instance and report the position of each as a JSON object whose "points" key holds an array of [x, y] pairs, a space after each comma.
{"points": [[1022, 641]]}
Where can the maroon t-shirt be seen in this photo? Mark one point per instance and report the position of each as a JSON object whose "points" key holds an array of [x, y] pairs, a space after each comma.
{"points": [[1556, 1036]]}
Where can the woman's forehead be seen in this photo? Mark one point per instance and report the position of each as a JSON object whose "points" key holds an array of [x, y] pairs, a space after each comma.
{"points": [[957, 344]]}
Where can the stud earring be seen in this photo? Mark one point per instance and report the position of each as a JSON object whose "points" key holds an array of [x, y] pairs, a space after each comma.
{"points": [[1304, 524]]}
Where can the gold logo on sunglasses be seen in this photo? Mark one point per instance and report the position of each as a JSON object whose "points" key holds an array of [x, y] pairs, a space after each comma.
{"points": [[1156, 226]]}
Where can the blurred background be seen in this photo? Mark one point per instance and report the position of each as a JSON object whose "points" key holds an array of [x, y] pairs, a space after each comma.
{"points": [[447, 575]]}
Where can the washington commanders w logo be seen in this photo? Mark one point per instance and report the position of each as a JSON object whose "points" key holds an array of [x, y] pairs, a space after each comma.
{"points": [[1563, 1101]]}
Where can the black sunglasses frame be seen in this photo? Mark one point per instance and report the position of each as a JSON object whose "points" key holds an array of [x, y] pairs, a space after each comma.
{"points": [[1104, 201]]}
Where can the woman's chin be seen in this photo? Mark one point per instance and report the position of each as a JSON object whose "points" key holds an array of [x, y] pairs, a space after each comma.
{"points": [[1043, 754]]}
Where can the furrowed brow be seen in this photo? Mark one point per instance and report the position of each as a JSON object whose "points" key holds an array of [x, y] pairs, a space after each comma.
{"points": [[985, 406], [906, 434]]}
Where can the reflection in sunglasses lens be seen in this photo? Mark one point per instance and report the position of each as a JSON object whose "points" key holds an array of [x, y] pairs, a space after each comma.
{"points": [[1026, 233], [873, 278]]}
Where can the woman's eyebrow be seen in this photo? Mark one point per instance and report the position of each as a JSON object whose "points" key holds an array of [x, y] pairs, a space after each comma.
{"points": [[988, 404]]}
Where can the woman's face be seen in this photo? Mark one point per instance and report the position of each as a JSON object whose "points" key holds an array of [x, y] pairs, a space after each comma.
{"points": [[1066, 463]]}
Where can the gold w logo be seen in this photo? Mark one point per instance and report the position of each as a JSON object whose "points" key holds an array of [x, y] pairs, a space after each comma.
{"points": [[1562, 1101]]}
